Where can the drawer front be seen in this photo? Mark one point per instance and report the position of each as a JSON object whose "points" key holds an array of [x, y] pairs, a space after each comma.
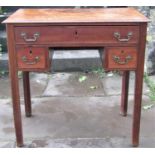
{"points": [[33, 58], [122, 58], [70, 35]]}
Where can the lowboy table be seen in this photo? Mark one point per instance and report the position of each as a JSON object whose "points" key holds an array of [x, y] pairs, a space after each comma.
{"points": [[121, 32]]}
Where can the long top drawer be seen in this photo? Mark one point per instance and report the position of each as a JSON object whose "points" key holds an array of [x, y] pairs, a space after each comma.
{"points": [[74, 35]]}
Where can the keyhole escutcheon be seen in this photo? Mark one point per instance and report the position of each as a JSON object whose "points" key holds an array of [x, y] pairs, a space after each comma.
{"points": [[30, 52], [76, 32]]}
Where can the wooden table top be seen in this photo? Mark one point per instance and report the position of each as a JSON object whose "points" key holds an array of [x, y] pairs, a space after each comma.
{"points": [[84, 15]]}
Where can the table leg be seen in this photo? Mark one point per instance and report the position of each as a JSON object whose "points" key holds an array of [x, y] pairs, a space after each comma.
{"points": [[138, 86], [124, 96], [137, 108], [27, 94], [16, 107], [13, 72]]}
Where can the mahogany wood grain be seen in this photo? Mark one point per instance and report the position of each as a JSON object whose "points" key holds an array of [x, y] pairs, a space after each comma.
{"points": [[79, 16]]}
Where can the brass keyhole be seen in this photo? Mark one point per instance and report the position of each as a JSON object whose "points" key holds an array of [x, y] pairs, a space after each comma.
{"points": [[122, 51], [76, 33], [30, 52]]}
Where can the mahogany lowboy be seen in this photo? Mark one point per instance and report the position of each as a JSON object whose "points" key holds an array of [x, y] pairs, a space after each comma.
{"points": [[120, 33]]}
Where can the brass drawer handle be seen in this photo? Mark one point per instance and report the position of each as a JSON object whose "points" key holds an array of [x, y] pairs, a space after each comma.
{"points": [[35, 37], [117, 35], [124, 62], [25, 60]]}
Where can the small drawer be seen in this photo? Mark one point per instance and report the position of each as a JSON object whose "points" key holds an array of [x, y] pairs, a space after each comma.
{"points": [[122, 58], [33, 58]]}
